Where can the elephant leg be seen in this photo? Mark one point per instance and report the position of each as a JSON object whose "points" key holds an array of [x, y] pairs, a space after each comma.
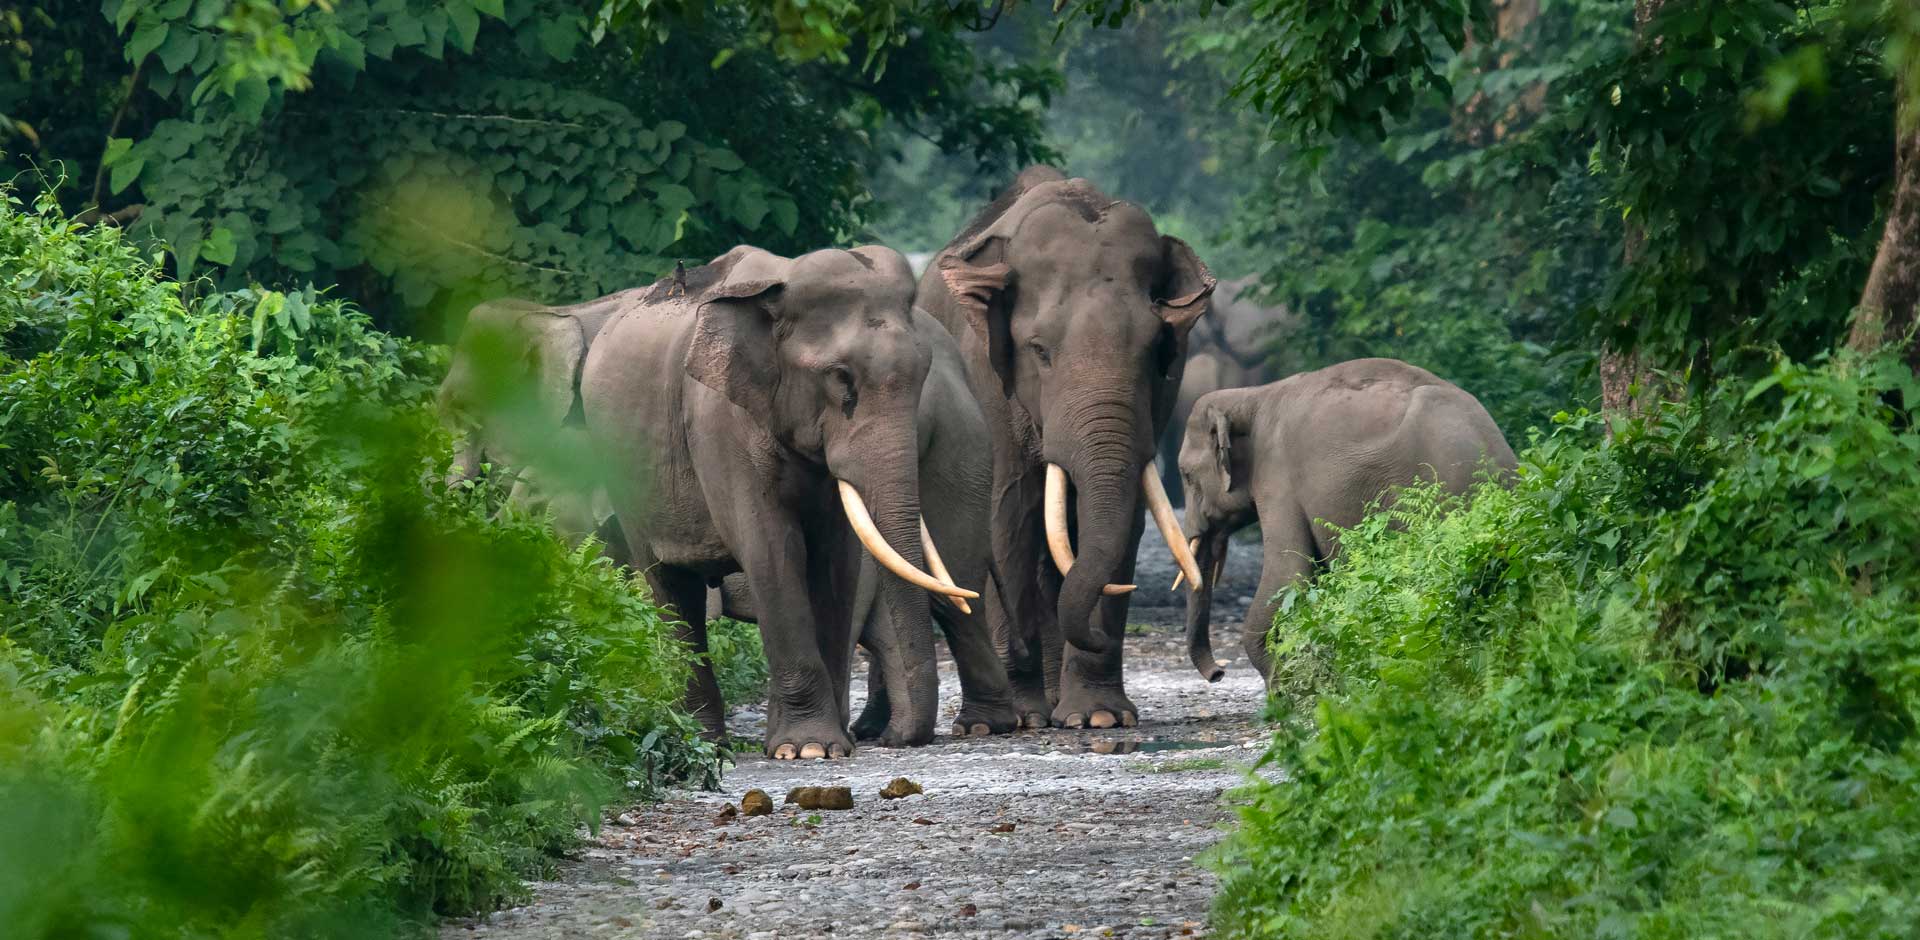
{"points": [[986, 695], [1093, 690], [874, 716], [878, 711], [803, 709], [685, 596], [1287, 544], [833, 569], [1033, 661]]}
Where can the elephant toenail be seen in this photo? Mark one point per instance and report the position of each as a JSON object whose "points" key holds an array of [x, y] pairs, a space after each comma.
{"points": [[839, 750], [1102, 719], [1075, 720], [1129, 719], [783, 752], [980, 730], [812, 752]]}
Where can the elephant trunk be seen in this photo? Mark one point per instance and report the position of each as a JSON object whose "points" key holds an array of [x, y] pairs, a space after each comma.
{"points": [[1106, 480], [1200, 608], [907, 660]]}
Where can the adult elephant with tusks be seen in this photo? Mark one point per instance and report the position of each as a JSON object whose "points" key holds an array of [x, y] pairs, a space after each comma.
{"points": [[1072, 312], [1309, 454], [758, 415]]}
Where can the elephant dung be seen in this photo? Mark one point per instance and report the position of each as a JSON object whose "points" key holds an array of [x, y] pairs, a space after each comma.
{"points": [[756, 803], [821, 797], [899, 788]]}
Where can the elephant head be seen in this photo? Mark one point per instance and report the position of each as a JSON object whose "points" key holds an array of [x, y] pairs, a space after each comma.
{"points": [[513, 381], [1084, 310], [1217, 477], [821, 350]]}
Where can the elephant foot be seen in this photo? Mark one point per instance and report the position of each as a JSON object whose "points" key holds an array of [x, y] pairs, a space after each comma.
{"points": [[918, 734], [1030, 705], [977, 720], [872, 722], [808, 741], [1084, 707]]}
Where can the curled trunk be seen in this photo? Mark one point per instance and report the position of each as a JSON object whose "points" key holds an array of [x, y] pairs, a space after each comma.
{"points": [[1106, 498]]}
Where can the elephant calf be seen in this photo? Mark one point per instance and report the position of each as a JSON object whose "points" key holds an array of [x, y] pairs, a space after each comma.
{"points": [[1310, 452]]}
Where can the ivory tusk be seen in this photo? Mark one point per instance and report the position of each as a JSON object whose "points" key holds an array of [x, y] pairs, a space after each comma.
{"points": [[1193, 548], [939, 567], [1056, 516], [1162, 510], [869, 534]]}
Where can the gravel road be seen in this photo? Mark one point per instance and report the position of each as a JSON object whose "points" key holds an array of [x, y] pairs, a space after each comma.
{"points": [[1041, 834]]}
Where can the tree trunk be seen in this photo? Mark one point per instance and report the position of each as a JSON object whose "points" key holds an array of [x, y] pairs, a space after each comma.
{"points": [[1627, 386], [1888, 304]]}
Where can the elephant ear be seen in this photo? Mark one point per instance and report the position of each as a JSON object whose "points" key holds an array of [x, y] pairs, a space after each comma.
{"points": [[1182, 295], [556, 347], [733, 333], [978, 276], [1222, 446]]}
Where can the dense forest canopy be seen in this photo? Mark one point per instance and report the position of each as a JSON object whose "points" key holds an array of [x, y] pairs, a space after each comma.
{"points": [[1664, 685]]}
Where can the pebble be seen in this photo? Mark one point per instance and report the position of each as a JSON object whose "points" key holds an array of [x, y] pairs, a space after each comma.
{"points": [[1008, 821]]}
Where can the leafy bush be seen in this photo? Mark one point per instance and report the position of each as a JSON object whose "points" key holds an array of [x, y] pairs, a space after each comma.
{"points": [[739, 661], [260, 674], [1662, 687]]}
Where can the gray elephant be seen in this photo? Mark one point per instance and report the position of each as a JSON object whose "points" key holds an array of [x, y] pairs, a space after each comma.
{"points": [[511, 394], [1072, 314], [534, 352], [761, 412], [1311, 451], [955, 471], [1229, 348]]}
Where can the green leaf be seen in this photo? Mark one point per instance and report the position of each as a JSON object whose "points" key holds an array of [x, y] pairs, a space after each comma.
{"points": [[179, 49], [494, 8], [117, 147], [726, 161], [125, 172], [218, 247], [271, 303], [673, 196], [250, 99], [146, 38], [786, 215], [558, 37], [465, 23]]}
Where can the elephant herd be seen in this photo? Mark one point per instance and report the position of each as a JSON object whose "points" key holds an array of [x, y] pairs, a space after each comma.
{"points": [[825, 447]]}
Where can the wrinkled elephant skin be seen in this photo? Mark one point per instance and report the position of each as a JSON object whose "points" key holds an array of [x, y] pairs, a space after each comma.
{"points": [[1308, 454], [1072, 313], [747, 413]]}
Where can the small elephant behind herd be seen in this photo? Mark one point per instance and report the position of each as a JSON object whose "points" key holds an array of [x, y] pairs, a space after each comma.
{"points": [[824, 447]]}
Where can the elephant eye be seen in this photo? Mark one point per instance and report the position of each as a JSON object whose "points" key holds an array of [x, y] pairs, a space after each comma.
{"points": [[840, 380], [1040, 350]]}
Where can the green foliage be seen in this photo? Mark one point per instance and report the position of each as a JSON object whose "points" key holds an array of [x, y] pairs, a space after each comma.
{"points": [[426, 154], [1663, 687], [259, 674], [739, 660], [1735, 260]]}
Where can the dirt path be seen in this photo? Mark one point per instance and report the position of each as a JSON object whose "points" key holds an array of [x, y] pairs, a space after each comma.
{"points": [[1043, 834]]}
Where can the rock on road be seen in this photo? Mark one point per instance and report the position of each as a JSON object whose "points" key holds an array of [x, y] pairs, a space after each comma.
{"points": [[1040, 834]]}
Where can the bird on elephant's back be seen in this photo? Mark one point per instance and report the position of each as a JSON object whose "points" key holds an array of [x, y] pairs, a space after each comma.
{"points": [[758, 415], [1073, 315], [1307, 456]]}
